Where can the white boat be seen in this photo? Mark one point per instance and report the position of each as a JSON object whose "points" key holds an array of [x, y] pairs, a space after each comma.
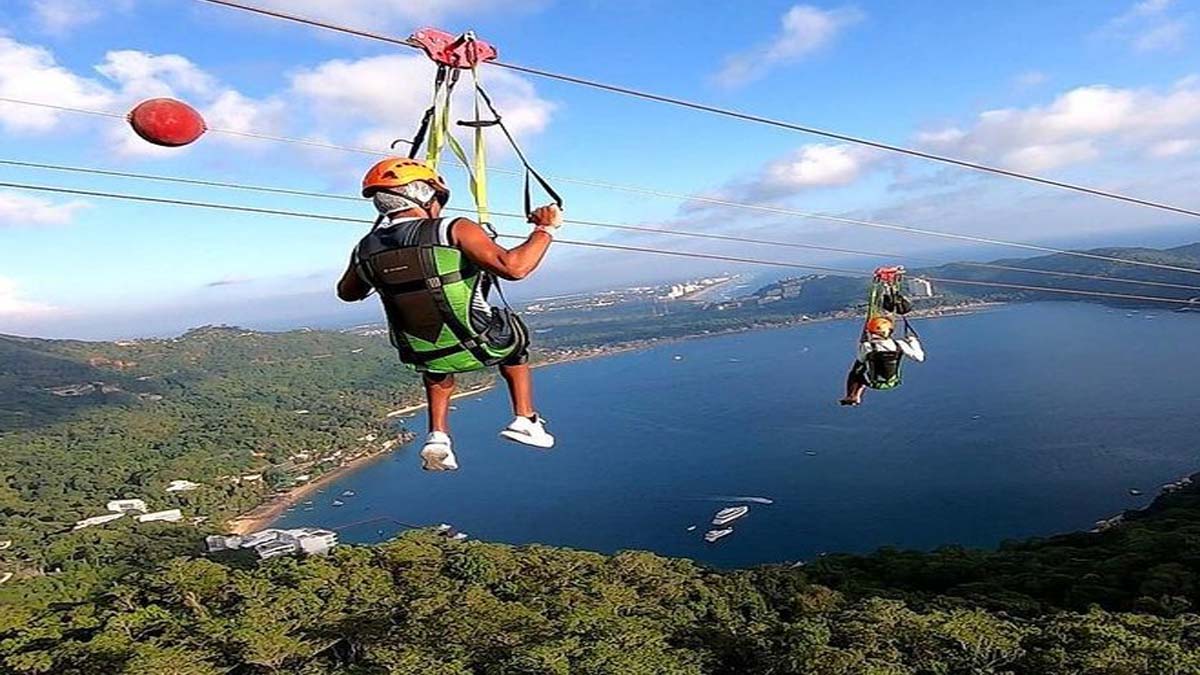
{"points": [[348, 493], [726, 516], [338, 502], [713, 535], [691, 527]]}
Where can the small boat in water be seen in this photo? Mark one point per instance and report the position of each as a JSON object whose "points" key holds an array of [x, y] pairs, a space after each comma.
{"points": [[348, 493], [691, 528], [713, 535], [1135, 492], [726, 516], [338, 502]]}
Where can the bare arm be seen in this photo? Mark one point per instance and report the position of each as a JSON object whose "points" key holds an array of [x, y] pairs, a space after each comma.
{"points": [[351, 287], [511, 264]]}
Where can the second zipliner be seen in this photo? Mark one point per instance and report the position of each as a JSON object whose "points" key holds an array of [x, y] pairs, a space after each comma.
{"points": [[434, 275], [880, 357]]}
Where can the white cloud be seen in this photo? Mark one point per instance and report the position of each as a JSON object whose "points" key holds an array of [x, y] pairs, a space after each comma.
{"points": [[805, 29], [235, 112], [1149, 26], [18, 209], [141, 75], [394, 14], [13, 306], [815, 165], [809, 167], [1080, 125], [1175, 147], [381, 98], [60, 17], [29, 72], [367, 102]]}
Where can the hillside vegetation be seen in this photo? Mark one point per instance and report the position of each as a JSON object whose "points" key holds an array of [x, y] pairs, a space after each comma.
{"points": [[424, 604]]}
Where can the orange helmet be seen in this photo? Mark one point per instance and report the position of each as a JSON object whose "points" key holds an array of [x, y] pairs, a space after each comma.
{"points": [[880, 325], [396, 172]]}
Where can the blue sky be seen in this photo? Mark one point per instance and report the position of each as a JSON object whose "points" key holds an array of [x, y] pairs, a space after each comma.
{"points": [[1104, 93]]}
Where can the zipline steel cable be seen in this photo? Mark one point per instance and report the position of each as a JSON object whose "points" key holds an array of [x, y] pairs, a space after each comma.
{"points": [[735, 114], [763, 208], [590, 223], [1190, 302]]}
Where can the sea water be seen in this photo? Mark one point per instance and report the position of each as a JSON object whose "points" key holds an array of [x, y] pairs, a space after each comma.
{"points": [[1025, 420]]}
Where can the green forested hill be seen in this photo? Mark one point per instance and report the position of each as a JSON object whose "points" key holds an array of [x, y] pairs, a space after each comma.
{"points": [[423, 604], [87, 422]]}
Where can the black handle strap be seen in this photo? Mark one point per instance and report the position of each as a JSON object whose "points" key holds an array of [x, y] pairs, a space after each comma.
{"points": [[529, 170]]}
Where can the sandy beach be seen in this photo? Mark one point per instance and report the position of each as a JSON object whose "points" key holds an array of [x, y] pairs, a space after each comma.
{"points": [[262, 516]]}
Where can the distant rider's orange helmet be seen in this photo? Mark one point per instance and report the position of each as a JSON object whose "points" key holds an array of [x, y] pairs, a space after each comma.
{"points": [[880, 325], [395, 172]]}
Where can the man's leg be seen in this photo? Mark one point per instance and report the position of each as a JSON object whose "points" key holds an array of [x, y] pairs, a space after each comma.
{"points": [[438, 389], [855, 385], [437, 454], [520, 388]]}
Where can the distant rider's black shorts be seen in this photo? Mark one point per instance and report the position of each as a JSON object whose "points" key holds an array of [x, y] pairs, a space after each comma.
{"points": [[858, 374]]}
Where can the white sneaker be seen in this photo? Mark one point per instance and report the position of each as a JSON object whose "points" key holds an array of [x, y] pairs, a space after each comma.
{"points": [[529, 432], [437, 455]]}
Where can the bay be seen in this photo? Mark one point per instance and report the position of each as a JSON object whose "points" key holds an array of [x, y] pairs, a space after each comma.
{"points": [[1026, 420]]}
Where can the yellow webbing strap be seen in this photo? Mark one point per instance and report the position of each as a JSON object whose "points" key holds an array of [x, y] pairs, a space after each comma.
{"points": [[479, 175], [441, 135], [437, 128]]}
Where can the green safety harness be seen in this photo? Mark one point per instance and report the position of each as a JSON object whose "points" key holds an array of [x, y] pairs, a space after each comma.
{"points": [[884, 370], [427, 290]]}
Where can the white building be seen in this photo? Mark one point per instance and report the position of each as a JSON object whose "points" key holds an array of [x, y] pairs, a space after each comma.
{"points": [[215, 542], [314, 541], [168, 516], [181, 486], [123, 505], [273, 549], [920, 288], [273, 542], [98, 520]]}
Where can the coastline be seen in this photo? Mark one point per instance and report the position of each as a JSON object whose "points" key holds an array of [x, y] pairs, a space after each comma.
{"points": [[264, 514]]}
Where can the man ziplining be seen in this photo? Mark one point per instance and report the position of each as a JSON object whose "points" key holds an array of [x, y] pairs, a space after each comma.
{"points": [[880, 356], [878, 363], [433, 276]]}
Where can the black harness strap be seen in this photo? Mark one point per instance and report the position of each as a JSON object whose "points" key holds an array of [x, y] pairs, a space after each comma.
{"points": [[421, 285], [529, 170], [470, 340]]}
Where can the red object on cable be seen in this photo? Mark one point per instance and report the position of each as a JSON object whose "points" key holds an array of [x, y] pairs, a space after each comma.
{"points": [[167, 122], [464, 51], [889, 275]]}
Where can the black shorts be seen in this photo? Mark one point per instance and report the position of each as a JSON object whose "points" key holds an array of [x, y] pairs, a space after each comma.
{"points": [[858, 374], [505, 328]]}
